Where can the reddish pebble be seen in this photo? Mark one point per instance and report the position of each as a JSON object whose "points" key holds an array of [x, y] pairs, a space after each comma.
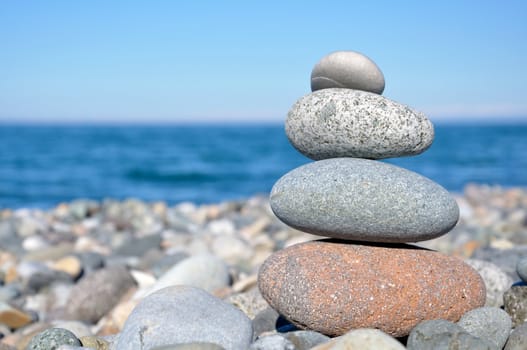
{"points": [[334, 286]]}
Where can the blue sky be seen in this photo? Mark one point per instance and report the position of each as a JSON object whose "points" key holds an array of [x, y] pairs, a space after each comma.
{"points": [[172, 61]]}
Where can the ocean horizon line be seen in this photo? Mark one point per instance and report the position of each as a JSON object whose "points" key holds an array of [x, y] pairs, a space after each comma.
{"points": [[469, 121]]}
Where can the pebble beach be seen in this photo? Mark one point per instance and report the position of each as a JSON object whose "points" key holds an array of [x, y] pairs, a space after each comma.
{"points": [[345, 252], [85, 265]]}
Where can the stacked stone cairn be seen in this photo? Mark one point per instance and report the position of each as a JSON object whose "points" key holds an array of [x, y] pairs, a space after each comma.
{"points": [[364, 275]]}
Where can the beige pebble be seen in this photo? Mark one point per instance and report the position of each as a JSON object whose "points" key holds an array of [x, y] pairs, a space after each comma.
{"points": [[12, 317], [94, 343], [69, 264]]}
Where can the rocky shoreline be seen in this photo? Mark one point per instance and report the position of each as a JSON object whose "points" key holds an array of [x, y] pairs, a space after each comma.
{"points": [[85, 265]]}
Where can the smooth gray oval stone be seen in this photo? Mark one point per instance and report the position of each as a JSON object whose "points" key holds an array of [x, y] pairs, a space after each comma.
{"points": [[518, 338], [184, 314], [364, 200], [521, 268], [347, 69], [488, 323], [334, 123]]}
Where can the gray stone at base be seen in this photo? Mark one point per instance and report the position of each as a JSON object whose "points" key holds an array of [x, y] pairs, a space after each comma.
{"points": [[443, 335], [190, 346], [518, 338], [521, 268], [365, 200], [183, 314], [488, 323]]}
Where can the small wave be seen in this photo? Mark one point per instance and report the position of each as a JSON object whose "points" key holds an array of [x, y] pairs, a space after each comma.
{"points": [[183, 176]]}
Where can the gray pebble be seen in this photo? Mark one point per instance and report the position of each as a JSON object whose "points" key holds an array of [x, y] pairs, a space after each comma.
{"points": [[203, 271], [250, 302], [364, 339], [139, 246], [495, 279], [9, 292], [183, 314], [347, 69], [305, 340], [426, 330], [265, 321], [515, 303], [365, 200], [518, 338], [98, 293], [272, 342], [333, 123], [190, 346], [90, 261], [444, 335], [506, 259], [521, 268], [52, 339], [489, 323]]}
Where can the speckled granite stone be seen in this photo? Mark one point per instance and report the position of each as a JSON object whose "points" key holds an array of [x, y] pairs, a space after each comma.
{"points": [[333, 286], [515, 304], [52, 338], [496, 281], [334, 123], [366, 200], [347, 69]]}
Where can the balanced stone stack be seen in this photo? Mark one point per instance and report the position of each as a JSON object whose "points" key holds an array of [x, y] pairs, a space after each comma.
{"points": [[364, 275]]}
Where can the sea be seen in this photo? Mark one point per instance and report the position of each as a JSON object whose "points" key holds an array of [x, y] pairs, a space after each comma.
{"points": [[44, 165]]}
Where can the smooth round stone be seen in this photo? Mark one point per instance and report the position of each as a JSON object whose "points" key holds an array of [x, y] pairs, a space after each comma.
{"points": [[204, 271], [364, 339], [190, 346], [272, 342], [183, 314], [422, 336], [331, 286], [489, 323], [97, 293], [365, 200], [495, 279], [521, 268], [305, 340], [13, 317], [347, 69], [335, 123], [53, 338], [444, 335], [517, 339], [265, 321]]}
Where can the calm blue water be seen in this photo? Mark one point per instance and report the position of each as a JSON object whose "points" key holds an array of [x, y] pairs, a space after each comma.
{"points": [[41, 166]]}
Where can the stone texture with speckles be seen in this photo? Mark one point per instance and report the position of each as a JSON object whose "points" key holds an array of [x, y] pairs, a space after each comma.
{"points": [[334, 123], [184, 314], [347, 69], [333, 286], [365, 200]]}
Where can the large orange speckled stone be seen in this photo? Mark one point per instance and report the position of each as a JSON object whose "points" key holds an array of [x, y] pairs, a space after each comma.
{"points": [[333, 286]]}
